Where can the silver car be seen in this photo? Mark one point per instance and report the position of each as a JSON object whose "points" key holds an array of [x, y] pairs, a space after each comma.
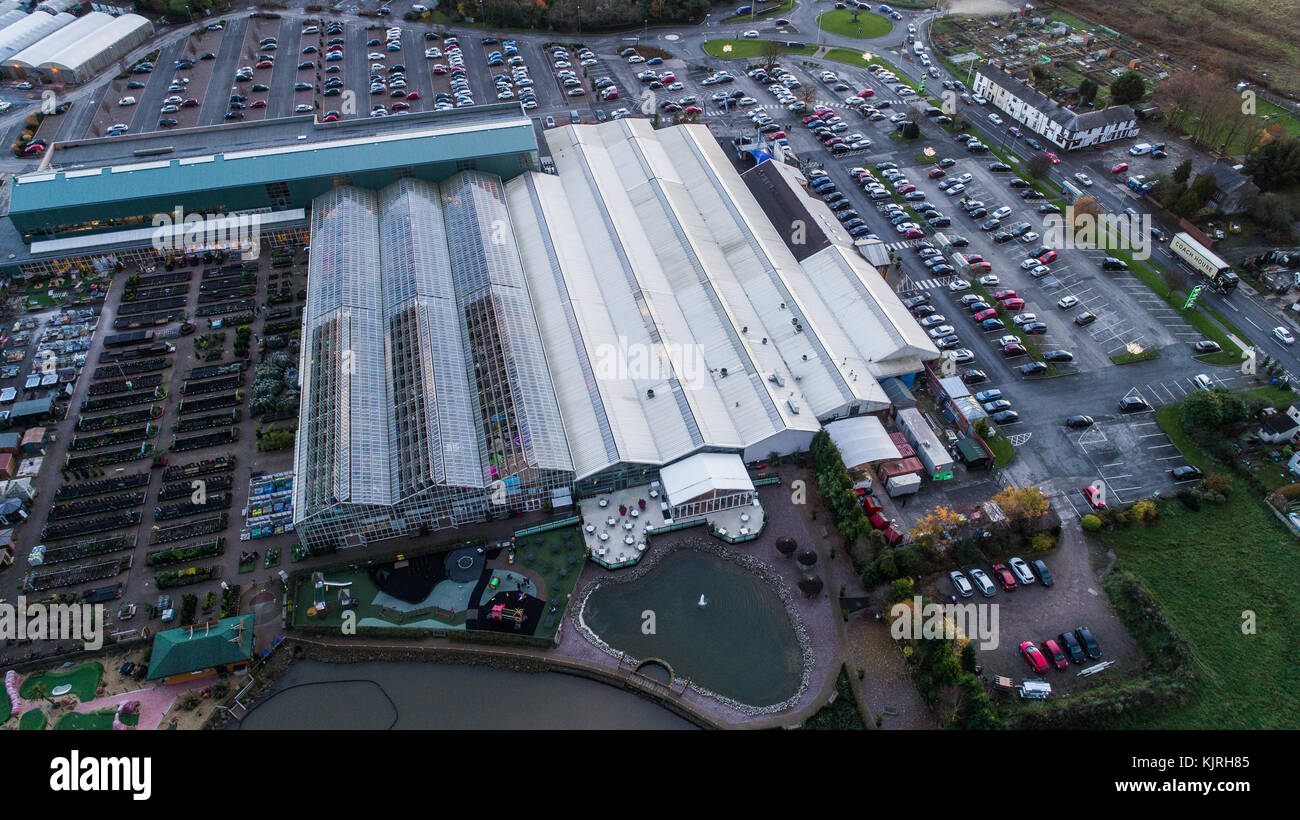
{"points": [[982, 581], [1022, 571], [960, 584]]}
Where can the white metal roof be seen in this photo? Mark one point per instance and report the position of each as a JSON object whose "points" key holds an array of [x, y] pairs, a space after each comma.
{"points": [[27, 31], [45, 48], [89, 53], [704, 473], [862, 440]]}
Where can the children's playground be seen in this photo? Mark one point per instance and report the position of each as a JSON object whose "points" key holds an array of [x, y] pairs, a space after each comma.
{"points": [[475, 586]]}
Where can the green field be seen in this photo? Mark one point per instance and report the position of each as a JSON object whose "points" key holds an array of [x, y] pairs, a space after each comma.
{"points": [[747, 49], [775, 11], [33, 719], [1207, 568], [84, 680], [865, 25]]}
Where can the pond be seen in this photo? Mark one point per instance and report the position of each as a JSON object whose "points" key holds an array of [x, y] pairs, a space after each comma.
{"points": [[740, 644], [409, 695]]}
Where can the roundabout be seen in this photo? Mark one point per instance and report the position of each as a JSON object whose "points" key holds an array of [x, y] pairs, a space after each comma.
{"points": [[851, 23]]}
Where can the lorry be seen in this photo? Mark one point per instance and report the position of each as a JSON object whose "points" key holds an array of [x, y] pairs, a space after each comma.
{"points": [[902, 484], [1217, 273]]}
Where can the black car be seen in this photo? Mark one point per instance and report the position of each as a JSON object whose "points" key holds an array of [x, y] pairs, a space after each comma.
{"points": [[1084, 634], [977, 213], [1206, 346], [1085, 318], [974, 376], [1079, 422], [230, 115], [1032, 195], [845, 216], [171, 123], [958, 241], [1133, 404], [1071, 646], [1040, 569], [1033, 143], [923, 310], [1186, 473], [1019, 183], [1006, 417], [947, 162], [978, 306], [999, 166], [1002, 237], [990, 224], [1056, 355], [1032, 368], [942, 270], [1111, 263], [260, 87], [1049, 208], [208, 55], [305, 65], [1036, 328], [135, 84]]}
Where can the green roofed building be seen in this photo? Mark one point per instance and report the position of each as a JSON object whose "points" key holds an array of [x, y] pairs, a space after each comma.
{"points": [[196, 651]]}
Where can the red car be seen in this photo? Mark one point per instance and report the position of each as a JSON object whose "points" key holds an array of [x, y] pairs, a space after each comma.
{"points": [[401, 106], [1054, 652], [1004, 576], [692, 109], [1005, 294], [1053, 158], [1013, 349], [257, 104], [824, 111], [913, 233], [1013, 304], [1050, 256], [938, 172], [986, 314], [413, 95], [1119, 168], [1034, 657], [1093, 495], [867, 92], [330, 118], [907, 189], [776, 135], [974, 257], [981, 267], [810, 118]]}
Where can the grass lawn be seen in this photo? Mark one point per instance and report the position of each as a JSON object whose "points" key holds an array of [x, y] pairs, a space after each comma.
{"points": [[559, 562], [1004, 452], [100, 720], [33, 719], [1191, 553], [747, 49], [1129, 358], [785, 6], [866, 24], [84, 680]]}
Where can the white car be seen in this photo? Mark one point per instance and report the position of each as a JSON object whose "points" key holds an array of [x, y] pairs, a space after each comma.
{"points": [[1068, 302], [126, 101], [1001, 213], [1029, 264], [962, 355], [982, 581], [1029, 237], [958, 285], [941, 331], [1083, 178], [304, 108], [751, 34], [1021, 569], [989, 280], [931, 321], [959, 583], [1040, 271], [1024, 318], [1203, 382], [1283, 335], [995, 119]]}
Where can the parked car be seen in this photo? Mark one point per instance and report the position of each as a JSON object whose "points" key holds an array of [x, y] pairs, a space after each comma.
{"points": [[1054, 653], [1004, 576], [1021, 569], [982, 582], [1084, 634], [1034, 657], [961, 584], [1040, 569], [1071, 646]]}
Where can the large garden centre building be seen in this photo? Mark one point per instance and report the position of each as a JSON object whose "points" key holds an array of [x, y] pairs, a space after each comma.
{"points": [[481, 336]]}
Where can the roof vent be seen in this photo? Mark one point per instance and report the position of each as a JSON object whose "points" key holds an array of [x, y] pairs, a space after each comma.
{"points": [[650, 394], [776, 379], [793, 405], [723, 372], [764, 340]]}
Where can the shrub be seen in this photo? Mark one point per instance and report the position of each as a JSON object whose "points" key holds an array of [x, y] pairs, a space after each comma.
{"points": [[188, 701], [901, 589], [1146, 512], [1215, 482], [1042, 542], [1091, 523]]}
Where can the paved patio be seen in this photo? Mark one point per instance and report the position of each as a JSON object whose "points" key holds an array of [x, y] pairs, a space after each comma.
{"points": [[617, 539]]}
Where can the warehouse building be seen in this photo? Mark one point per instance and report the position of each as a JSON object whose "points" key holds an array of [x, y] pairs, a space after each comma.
{"points": [[581, 330], [30, 30], [9, 15], [25, 62], [80, 61]]}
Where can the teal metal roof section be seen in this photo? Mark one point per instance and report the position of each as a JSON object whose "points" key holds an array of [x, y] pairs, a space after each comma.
{"points": [[145, 178]]}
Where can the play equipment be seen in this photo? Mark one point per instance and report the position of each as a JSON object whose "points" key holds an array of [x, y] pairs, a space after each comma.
{"points": [[321, 588], [500, 613]]}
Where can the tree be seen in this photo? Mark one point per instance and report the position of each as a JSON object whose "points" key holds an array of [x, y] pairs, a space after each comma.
{"points": [[1204, 187], [1276, 165], [1128, 88], [1272, 213], [1183, 172], [1088, 90], [1038, 166], [1021, 504], [770, 51], [936, 528], [911, 130], [1146, 512], [901, 589]]}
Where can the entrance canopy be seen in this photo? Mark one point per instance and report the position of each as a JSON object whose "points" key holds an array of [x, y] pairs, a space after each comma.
{"points": [[702, 474]]}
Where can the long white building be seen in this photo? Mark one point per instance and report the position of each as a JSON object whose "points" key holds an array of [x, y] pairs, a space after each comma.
{"points": [[1062, 127]]}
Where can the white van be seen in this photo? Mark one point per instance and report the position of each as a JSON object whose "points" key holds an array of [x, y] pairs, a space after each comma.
{"points": [[1140, 149], [917, 48], [126, 101]]}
